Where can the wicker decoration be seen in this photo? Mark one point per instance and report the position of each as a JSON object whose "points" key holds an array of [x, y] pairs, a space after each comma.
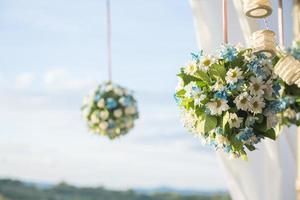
{"points": [[288, 68], [263, 41], [257, 8]]}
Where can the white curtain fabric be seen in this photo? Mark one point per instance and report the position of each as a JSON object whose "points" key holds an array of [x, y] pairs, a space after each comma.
{"points": [[296, 15], [270, 173]]}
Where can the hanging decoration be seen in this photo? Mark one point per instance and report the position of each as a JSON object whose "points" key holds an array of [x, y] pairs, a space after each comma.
{"points": [[257, 8], [229, 100], [263, 41], [110, 109], [287, 68]]}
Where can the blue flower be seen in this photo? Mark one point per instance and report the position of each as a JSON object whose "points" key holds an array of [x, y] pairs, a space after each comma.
{"points": [[228, 53], [197, 56], [111, 103], [256, 67], [177, 100], [276, 88], [97, 97], [277, 106], [126, 101], [248, 136], [221, 94]]}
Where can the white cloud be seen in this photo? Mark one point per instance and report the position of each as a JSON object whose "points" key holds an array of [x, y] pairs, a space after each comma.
{"points": [[61, 79], [24, 80]]}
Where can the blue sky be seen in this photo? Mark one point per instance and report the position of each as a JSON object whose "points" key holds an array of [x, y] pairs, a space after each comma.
{"points": [[54, 52]]}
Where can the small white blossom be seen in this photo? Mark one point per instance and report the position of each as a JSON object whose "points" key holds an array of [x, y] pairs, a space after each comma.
{"points": [[130, 110], [242, 101], [234, 120], [101, 103], [191, 68], [218, 86], [257, 104], [104, 115], [94, 118], [217, 106], [118, 91], [103, 125], [290, 113], [257, 86], [233, 75], [205, 63], [118, 113]]}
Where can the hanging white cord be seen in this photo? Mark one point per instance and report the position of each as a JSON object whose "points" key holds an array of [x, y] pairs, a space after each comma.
{"points": [[109, 49]]}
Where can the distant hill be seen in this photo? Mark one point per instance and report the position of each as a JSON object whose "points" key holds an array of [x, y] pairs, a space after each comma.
{"points": [[17, 190]]}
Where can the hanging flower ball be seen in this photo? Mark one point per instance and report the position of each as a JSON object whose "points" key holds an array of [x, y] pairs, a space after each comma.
{"points": [[291, 92], [231, 100], [110, 110]]}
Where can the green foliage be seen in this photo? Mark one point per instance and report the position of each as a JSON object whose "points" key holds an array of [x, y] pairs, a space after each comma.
{"points": [[15, 190]]}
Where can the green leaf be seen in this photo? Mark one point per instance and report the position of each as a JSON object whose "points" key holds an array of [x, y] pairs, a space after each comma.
{"points": [[180, 93], [250, 147], [207, 123], [270, 134], [202, 76], [217, 71], [225, 119]]}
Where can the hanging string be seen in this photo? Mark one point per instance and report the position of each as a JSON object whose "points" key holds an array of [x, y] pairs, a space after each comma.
{"points": [[109, 49], [225, 22], [266, 24], [280, 23]]}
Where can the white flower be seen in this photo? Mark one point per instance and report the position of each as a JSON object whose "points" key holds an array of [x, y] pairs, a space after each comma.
{"points": [[234, 120], [198, 98], [180, 84], [217, 106], [257, 86], [233, 75], [272, 121], [205, 63], [104, 115], [191, 90], [103, 125], [256, 105], [118, 91], [118, 113], [189, 119], [221, 140], [109, 87], [290, 113], [101, 103], [94, 118], [268, 89], [130, 110], [218, 86], [191, 68], [129, 124], [242, 101]]}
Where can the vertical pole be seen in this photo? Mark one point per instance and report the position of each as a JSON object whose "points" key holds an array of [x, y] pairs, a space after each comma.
{"points": [[109, 51], [296, 16], [225, 22], [280, 23]]}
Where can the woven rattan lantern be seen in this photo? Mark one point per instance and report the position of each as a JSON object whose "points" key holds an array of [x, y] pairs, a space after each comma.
{"points": [[288, 68], [263, 41], [257, 8]]}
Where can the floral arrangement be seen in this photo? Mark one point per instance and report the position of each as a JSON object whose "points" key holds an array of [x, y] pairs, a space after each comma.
{"points": [[291, 114], [110, 110], [230, 100]]}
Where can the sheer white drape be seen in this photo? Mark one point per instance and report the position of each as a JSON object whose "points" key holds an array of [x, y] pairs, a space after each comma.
{"points": [[270, 172]]}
